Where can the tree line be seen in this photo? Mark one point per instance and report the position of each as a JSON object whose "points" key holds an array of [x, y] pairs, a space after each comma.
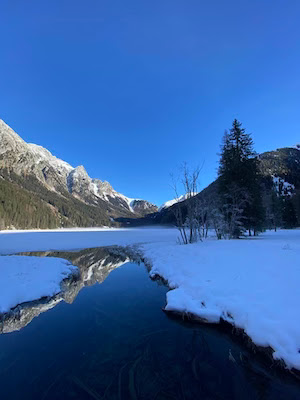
{"points": [[243, 200], [27, 204]]}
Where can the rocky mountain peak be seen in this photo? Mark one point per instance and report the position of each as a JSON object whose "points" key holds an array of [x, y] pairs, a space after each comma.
{"points": [[28, 159], [105, 186], [143, 206], [80, 172], [10, 140], [78, 182]]}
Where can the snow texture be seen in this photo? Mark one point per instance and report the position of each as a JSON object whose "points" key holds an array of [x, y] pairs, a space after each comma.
{"points": [[45, 155], [29, 278], [183, 197], [79, 238], [282, 187], [251, 283]]}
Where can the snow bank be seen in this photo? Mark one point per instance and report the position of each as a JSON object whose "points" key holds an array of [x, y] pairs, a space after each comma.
{"points": [[25, 278], [253, 283], [29, 278]]}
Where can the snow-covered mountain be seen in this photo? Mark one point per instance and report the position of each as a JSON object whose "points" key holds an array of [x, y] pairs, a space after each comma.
{"points": [[30, 160], [170, 203]]}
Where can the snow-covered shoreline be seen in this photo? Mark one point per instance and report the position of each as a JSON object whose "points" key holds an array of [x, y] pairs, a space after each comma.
{"points": [[25, 279], [252, 284]]}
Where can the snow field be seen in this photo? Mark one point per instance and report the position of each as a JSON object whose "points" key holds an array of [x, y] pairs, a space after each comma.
{"points": [[25, 279], [253, 283]]}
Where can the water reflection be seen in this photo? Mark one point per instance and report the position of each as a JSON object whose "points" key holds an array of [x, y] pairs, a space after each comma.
{"points": [[114, 342], [94, 266]]}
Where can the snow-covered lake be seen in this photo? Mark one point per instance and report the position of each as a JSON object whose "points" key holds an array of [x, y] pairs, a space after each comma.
{"points": [[71, 239], [109, 339]]}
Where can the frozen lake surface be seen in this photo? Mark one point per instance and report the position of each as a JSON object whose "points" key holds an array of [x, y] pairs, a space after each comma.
{"points": [[79, 238]]}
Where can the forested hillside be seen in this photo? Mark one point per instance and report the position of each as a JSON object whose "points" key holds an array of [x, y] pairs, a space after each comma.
{"points": [[279, 187], [25, 203], [20, 208], [38, 190]]}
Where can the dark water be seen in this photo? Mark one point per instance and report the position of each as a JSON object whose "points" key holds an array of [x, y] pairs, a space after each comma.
{"points": [[115, 342]]}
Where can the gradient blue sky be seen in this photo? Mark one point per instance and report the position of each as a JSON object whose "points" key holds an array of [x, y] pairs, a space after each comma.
{"points": [[131, 89]]}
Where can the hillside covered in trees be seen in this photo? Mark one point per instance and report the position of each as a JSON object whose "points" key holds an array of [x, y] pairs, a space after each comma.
{"points": [[26, 204], [263, 188], [38, 190]]}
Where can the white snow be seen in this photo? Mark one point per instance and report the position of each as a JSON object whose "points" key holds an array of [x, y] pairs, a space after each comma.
{"points": [[128, 200], [252, 283], [282, 187], [79, 238], [105, 191], [24, 278], [94, 189], [183, 197], [40, 156], [45, 155], [29, 278]]}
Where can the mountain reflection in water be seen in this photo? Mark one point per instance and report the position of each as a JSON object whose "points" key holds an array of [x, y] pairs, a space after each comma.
{"points": [[115, 343], [94, 266]]}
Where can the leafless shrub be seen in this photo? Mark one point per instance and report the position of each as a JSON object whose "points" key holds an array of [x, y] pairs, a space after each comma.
{"points": [[185, 211]]}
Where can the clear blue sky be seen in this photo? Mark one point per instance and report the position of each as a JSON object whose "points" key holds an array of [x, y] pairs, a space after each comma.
{"points": [[131, 89]]}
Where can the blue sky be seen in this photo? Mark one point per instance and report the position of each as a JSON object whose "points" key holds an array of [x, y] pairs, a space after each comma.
{"points": [[131, 89]]}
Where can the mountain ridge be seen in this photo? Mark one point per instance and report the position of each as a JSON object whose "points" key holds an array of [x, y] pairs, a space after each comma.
{"points": [[280, 172], [35, 169]]}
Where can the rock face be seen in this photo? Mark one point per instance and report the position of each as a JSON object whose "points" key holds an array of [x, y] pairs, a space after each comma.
{"points": [[30, 161], [143, 207]]}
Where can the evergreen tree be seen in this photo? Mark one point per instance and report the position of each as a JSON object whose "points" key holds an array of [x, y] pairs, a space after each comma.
{"points": [[289, 217], [297, 205], [273, 203], [239, 170]]}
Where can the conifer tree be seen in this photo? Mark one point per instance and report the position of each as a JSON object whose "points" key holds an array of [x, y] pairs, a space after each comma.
{"points": [[239, 171], [289, 217]]}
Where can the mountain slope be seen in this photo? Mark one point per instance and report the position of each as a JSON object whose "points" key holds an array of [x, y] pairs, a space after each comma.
{"points": [[280, 171], [67, 195], [283, 163]]}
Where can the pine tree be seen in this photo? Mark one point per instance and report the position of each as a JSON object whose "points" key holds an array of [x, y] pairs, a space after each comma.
{"points": [[239, 172], [289, 217]]}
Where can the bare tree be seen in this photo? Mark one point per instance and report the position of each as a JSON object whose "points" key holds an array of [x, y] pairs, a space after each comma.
{"points": [[186, 211], [195, 215], [203, 213]]}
